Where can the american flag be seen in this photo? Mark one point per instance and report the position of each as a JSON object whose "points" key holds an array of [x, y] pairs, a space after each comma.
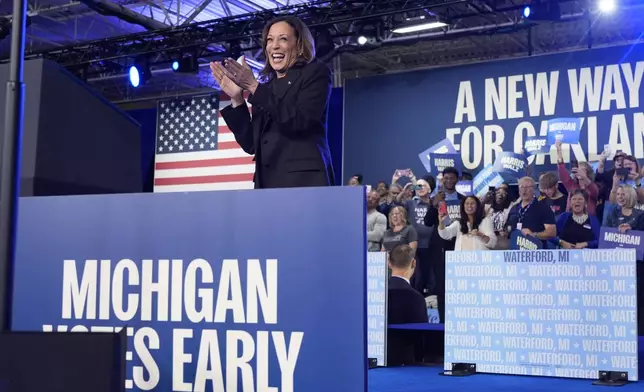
{"points": [[195, 150]]}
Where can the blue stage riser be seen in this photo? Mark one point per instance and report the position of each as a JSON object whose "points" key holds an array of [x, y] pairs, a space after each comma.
{"points": [[226, 291]]}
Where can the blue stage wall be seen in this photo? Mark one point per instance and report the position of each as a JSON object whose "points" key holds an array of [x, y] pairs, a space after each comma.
{"points": [[490, 107], [147, 119], [202, 278]]}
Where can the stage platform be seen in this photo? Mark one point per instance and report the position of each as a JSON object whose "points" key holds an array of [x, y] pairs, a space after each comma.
{"points": [[427, 378]]}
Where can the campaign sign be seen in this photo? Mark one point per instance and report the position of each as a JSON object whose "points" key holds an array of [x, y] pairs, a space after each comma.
{"points": [[511, 163], [485, 179], [610, 237], [445, 146], [213, 294], [464, 188], [453, 209], [556, 313], [377, 277], [440, 162], [565, 130], [519, 241], [536, 145]]}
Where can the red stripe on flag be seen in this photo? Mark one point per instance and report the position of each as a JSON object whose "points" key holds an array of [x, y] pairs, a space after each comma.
{"points": [[224, 129], [204, 179], [228, 146], [204, 163]]}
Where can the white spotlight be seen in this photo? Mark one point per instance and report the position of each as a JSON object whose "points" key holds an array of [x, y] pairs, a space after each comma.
{"points": [[607, 5], [419, 27], [362, 40]]}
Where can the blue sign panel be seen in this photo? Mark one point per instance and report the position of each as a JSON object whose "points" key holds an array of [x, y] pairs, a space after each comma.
{"points": [[488, 108], [610, 237], [217, 289], [377, 306], [559, 313]]}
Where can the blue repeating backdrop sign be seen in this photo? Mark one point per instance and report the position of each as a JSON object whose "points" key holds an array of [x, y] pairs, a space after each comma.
{"points": [[488, 108], [377, 306], [215, 294], [567, 313]]}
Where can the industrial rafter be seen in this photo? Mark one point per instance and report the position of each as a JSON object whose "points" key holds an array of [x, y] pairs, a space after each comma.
{"points": [[320, 14]]}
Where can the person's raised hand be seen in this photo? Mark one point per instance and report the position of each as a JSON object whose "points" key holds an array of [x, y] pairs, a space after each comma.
{"points": [[224, 82], [241, 74]]}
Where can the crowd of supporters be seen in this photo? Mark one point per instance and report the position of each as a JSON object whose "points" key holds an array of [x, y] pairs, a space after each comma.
{"points": [[561, 209]]}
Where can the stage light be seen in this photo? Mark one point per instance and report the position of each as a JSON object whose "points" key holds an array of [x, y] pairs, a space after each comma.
{"points": [[607, 5], [362, 40], [139, 72], [135, 76], [188, 63], [527, 11], [419, 27]]}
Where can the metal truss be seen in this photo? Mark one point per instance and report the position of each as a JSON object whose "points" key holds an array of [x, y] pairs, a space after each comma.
{"points": [[214, 38]]}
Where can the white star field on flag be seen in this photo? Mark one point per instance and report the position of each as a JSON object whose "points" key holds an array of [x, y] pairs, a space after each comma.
{"points": [[187, 125]]}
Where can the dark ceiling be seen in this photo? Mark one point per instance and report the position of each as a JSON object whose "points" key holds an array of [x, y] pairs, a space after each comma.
{"points": [[81, 35]]}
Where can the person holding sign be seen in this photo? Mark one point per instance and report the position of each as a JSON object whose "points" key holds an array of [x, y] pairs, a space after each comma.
{"points": [[624, 216], [577, 229], [473, 230], [581, 176], [531, 217]]}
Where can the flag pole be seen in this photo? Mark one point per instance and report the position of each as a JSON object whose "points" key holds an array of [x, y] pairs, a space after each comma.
{"points": [[10, 164]]}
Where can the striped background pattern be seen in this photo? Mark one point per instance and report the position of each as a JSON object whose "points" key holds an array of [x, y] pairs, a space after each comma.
{"points": [[227, 167]]}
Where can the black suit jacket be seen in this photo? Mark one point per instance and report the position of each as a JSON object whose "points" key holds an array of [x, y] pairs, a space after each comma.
{"points": [[405, 306], [288, 129]]}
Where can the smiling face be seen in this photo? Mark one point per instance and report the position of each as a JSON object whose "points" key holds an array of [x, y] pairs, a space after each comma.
{"points": [[470, 206], [620, 196], [578, 204], [281, 47]]}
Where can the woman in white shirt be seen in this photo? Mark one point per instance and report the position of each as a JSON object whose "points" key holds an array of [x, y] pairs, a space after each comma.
{"points": [[473, 231]]}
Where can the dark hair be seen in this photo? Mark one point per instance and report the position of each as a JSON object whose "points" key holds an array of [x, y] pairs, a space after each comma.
{"points": [[581, 192], [465, 176], [384, 183], [450, 170], [305, 45], [401, 256], [431, 181], [632, 159], [478, 215], [496, 206]]}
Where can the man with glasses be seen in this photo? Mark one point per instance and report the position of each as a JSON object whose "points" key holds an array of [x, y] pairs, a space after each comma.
{"points": [[532, 217]]}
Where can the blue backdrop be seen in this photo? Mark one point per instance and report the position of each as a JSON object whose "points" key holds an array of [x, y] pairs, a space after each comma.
{"points": [[116, 260], [147, 119], [489, 107]]}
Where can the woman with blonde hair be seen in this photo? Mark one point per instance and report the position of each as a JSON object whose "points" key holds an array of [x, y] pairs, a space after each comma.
{"points": [[400, 232], [624, 216]]}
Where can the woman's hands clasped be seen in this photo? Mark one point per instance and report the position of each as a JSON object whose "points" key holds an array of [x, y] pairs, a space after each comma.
{"points": [[233, 77]]}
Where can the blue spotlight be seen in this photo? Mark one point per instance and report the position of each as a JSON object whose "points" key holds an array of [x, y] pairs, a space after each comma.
{"points": [[526, 11], [135, 76], [175, 66]]}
